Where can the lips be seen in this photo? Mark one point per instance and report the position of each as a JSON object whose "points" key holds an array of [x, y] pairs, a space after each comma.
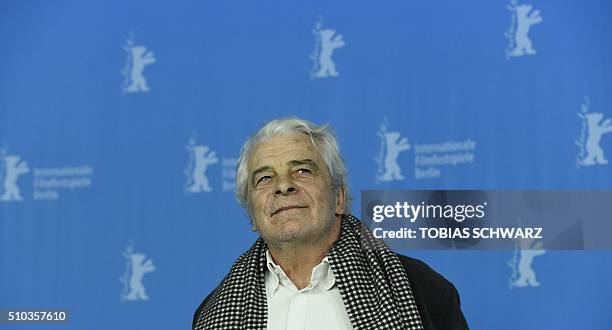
{"points": [[284, 208]]}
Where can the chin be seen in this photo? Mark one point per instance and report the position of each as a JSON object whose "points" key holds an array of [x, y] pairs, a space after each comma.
{"points": [[289, 236]]}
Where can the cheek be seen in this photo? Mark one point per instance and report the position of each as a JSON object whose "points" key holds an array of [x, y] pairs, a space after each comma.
{"points": [[329, 198], [267, 203], [261, 203], [317, 194]]}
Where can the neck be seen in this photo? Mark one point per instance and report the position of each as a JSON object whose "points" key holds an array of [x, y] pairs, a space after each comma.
{"points": [[297, 259]]}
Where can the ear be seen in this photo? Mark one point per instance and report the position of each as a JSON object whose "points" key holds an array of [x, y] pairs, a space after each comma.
{"points": [[340, 201], [254, 228]]}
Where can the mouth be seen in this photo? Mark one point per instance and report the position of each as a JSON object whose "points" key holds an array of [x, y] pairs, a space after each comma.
{"points": [[285, 208]]}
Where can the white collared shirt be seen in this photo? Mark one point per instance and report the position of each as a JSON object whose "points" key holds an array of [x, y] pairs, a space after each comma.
{"points": [[315, 307]]}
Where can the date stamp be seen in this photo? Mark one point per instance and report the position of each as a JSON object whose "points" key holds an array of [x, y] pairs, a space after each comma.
{"points": [[33, 316]]}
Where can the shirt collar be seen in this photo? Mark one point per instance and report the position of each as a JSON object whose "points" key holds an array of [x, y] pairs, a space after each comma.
{"points": [[322, 275]]}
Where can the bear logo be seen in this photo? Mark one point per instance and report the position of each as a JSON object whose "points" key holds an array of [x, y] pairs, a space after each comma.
{"points": [[12, 169], [138, 59], [391, 145], [327, 41], [522, 19], [524, 275], [200, 157], [596, 129], [137, 265]]}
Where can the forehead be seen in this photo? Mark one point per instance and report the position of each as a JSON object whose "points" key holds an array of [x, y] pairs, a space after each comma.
{"points": [[282, 149]]}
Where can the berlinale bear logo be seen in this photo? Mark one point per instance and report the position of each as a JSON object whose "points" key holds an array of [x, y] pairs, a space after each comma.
{"points": [[523, 274], [518, 34], [11, 167], [200, 157], [137, 265], [593, 129], [327, 41], [138, 58], [391, 145]]}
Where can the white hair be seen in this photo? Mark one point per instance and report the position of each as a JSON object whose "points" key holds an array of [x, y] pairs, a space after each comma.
{"points": [[321, 137]]}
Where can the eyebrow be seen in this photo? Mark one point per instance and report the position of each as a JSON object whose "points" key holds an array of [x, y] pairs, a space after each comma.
{"points": [[259, 170], [303, 162], [291, 163]]}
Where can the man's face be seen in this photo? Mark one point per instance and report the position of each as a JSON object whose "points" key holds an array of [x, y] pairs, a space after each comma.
{"points": [[290, 191]]}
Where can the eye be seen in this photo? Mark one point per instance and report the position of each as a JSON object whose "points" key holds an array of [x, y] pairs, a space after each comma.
{"points": [[303, 172], [263, 180]]}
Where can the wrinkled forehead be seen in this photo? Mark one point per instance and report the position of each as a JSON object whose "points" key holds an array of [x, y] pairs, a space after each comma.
{"points": [[282, 149]]}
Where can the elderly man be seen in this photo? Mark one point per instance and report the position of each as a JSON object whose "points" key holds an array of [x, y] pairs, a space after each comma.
{"points": [[314, 265]]}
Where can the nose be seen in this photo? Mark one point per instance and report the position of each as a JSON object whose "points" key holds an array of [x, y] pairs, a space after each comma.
{"points": [[285, 185]]}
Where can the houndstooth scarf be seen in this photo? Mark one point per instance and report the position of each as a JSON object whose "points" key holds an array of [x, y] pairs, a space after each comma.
{"points": [[374, 286]]}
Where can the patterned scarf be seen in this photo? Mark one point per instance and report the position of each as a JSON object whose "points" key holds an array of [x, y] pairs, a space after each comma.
{"points": [[373, 283]]}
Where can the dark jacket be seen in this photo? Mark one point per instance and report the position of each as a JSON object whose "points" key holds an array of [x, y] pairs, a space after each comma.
{"points": [[437, 299]]}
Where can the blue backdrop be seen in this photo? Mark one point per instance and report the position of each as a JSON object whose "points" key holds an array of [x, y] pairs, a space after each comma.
{"points": [[121, 123]]}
